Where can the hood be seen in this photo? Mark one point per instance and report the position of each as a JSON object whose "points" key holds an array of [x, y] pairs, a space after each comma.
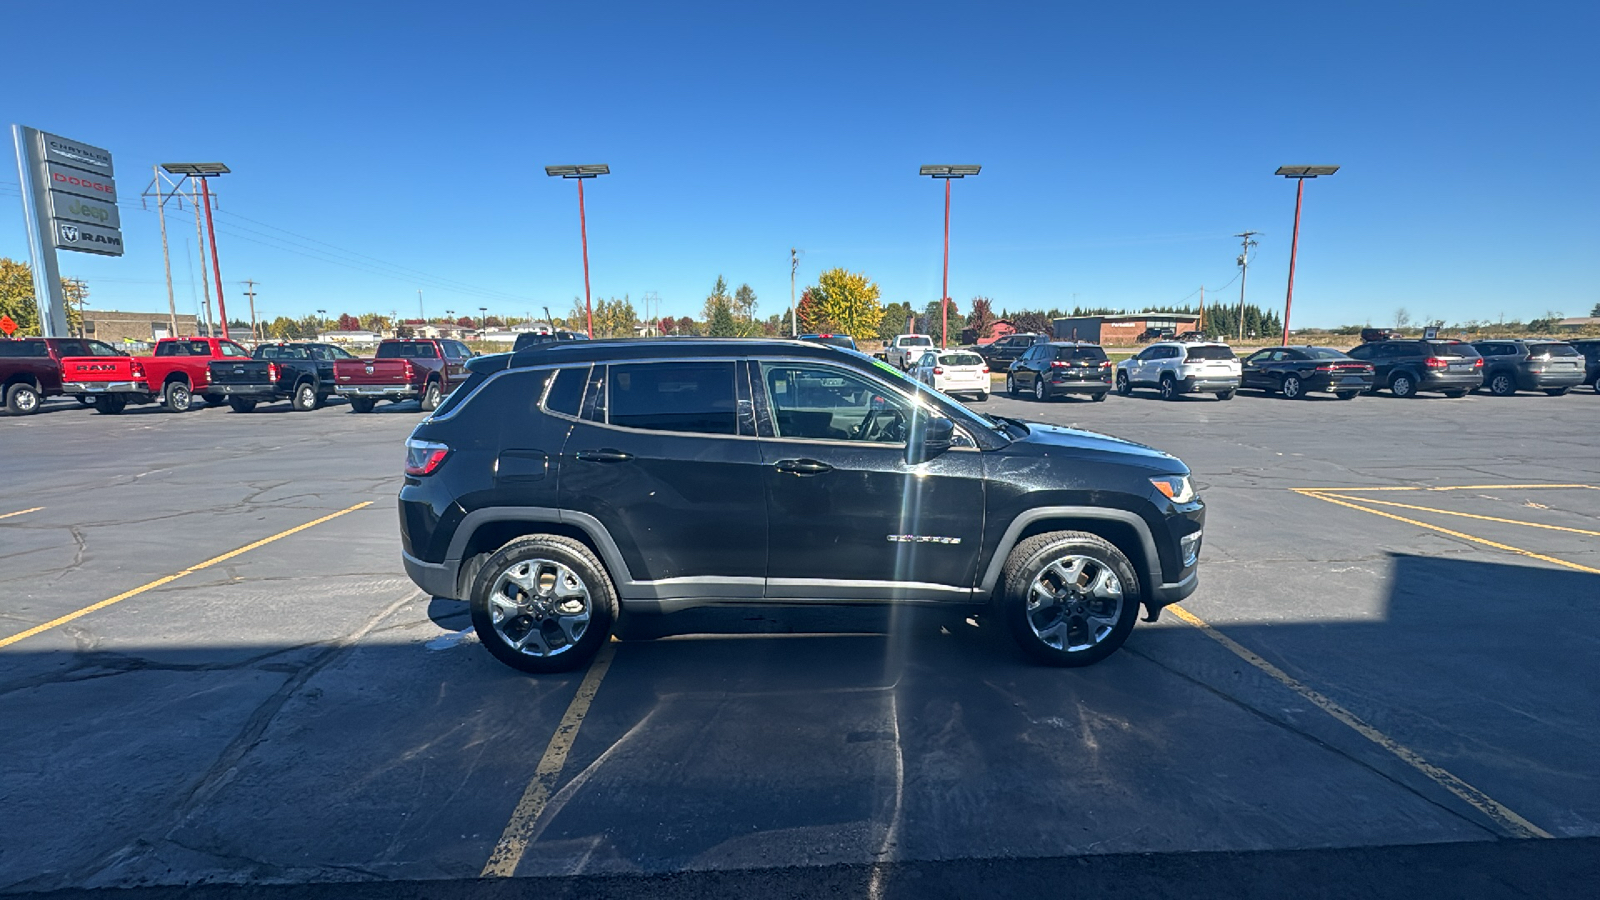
{"points": [[1047, 438]]}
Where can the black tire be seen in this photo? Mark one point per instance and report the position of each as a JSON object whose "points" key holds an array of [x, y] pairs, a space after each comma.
{"points": [[1596, 384], [1099, 396], [322, 400], [1169, 388], [1403, 385], [1227, 394], [109, 404], [1455, 393], [1041, 391], [1124, 386], [1502, 384], [582, 563], [1011, 385], [362, 404], [1557, 392], [431, 395], [22, 399], [214, 399], [1348, 395], [981, 398], [1029, 560], [177, 397], [1293, 389], [304, 398], [85, 400], [241, 404]]}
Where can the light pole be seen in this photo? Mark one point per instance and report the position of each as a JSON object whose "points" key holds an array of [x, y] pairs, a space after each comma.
{"points": [[1299, 174], [947, 173], [204, 172], [579, 173], [483, 319]]}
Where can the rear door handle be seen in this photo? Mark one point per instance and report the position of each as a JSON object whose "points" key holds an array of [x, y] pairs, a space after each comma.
{"points": [[603, 455], [802, 466]]}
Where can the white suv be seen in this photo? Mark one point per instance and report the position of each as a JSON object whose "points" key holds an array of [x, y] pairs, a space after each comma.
{"points": [[1175, 368], [904, 351]]}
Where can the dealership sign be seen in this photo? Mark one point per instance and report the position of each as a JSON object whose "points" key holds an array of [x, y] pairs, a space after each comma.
{"points": [[73, 208], [88, 238], [80, 195], [76, 154]]}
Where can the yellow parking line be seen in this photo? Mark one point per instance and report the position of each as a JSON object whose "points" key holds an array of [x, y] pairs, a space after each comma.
{"points": [[168, 579], [21, 512], [514, 839], [1447, 512], [1499, 813], [1453, 487], [1458, 534]]}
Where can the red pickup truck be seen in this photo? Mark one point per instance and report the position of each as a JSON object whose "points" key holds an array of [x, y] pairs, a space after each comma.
{"points": [[30, 368], [425, 370], [178, 370]]}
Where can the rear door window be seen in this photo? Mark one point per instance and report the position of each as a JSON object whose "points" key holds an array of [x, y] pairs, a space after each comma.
{"points": [[694, 397]]}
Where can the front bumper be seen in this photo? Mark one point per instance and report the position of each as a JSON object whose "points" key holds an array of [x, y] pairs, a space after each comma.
{"points": [[1168, 594], [104, 387]]}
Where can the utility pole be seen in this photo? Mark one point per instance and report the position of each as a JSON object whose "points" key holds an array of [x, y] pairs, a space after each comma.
{"points": [[421, 313], [200, 241], [166, 261], [1244, 272], [1201, 326], [794, 266], [251, 293]]}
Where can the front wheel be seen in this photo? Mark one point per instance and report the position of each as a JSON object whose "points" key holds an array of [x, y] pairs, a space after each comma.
{"points": [[1124, 386], [22, 399], [543, 603], [430, 397], [241, 404], [305, 397], [177, 397], [1070, 599], [1292, 388], [362, 404]]}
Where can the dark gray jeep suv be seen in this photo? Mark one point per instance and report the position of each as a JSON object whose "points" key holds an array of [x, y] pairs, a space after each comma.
{"points": [[570, 486]]}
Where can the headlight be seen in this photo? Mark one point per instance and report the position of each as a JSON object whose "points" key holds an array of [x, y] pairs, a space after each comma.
{"points": [[1177, 488]]}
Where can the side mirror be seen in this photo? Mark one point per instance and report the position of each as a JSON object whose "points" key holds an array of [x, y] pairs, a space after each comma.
{"points": [[931, 437]]}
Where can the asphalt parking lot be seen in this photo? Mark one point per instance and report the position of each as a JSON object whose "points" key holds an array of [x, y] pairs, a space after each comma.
{"points": [[212, 669]]}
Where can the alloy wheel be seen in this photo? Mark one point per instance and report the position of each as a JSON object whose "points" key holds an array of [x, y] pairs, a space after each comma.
{"points": [[541, 607], [1074, 603]]}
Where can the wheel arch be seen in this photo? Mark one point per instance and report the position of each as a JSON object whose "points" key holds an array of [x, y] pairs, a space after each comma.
{"points": [[27, 378], [1124, 529], [174, 377], [484, 531]]}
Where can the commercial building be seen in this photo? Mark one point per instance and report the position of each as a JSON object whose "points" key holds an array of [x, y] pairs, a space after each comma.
{"points": [[115, 327], [1120, 330]]}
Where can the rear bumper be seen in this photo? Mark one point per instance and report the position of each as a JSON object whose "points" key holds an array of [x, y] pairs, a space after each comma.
{"points": [[379, 391], [1339, 383], [438, 579], [1196, 384], [1539, 381], [104, 387], [263, 392], [1450, 381], [1080, 386]]}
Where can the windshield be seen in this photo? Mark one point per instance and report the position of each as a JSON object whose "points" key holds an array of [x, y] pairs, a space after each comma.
{"points": [[930, 397], [271, 352], [916, 342]]}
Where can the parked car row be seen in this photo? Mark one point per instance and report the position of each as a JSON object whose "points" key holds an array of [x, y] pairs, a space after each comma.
{"points": [[223, 372], [1403, 367]]}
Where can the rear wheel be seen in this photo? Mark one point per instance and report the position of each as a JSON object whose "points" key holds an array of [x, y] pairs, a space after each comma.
{"points": [[1011, 385], [1402, 385], [1041, 391], [214, 399], [1455, 393], [982, 397], [362, 404], [543, 604], [305, 397], [1227, 394], [109, 404], [241, 405], [1556, 392], [1502, 385], [1292, 388], [1348, 395], [430, 397], [177, 397], [1070, 599], [22, 399], [1169, 388], [1098, 396]]}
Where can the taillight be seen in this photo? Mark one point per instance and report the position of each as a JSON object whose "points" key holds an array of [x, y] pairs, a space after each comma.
{"points": [[408, 368], [424, 457], [1435, 362], [937, 370], [137, 369], [985, 370], [1058, 364], [1477, 363], [272, 371], [1106, 364], [1326, 368]]}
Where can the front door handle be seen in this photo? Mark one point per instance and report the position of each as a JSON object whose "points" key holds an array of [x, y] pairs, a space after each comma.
{"points": [[603, 455], [802, 466]]}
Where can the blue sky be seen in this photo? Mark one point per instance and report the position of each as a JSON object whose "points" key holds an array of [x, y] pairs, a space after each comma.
{"points": [[1122, 149]]}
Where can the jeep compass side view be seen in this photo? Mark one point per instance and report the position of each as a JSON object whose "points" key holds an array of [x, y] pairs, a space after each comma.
{"points": [[566, 487]]}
